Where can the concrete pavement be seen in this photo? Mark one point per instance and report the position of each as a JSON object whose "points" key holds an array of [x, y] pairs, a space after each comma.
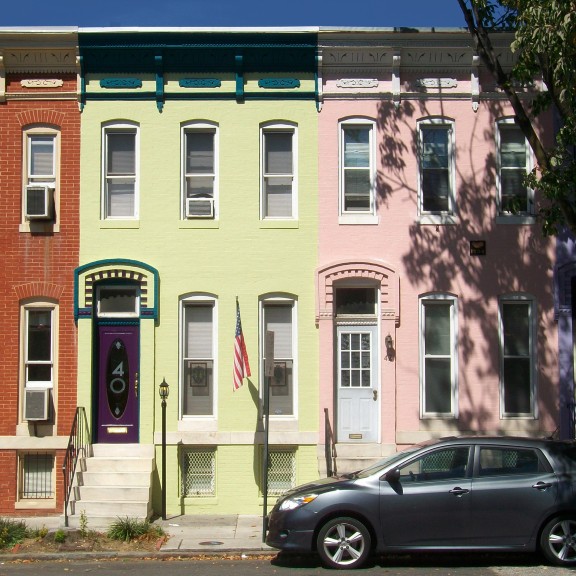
{"points": [[190, 533]]}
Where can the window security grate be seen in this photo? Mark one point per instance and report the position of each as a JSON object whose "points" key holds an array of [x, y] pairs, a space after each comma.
{"points": [[281, 471], [37, 473], [199, 473]]}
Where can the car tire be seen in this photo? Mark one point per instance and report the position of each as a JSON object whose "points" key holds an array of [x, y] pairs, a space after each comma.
{"points": [[343, 543], [558, 541]]}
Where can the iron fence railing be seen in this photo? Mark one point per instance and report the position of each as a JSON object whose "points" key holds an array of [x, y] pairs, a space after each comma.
{"points": [[78, 447], [329, 446]]}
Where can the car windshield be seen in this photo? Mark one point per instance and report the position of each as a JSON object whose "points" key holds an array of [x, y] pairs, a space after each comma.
{"points": [[385, 462]]}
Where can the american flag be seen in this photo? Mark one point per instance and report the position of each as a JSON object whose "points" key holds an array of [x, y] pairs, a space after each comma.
{"points": [[241, 364]]}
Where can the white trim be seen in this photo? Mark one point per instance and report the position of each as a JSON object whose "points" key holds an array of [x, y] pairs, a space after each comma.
{"points": [[444, 216], [286, 127], [511, 299], [351, 217], [431, 300], [201, 127], [200, 299], [126, 128]]}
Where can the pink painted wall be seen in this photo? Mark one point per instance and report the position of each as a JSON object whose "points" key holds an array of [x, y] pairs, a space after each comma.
{"points": [[436, 258]]}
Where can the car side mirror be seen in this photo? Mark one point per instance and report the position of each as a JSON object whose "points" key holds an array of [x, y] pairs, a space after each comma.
{"points": [[392, 476]]}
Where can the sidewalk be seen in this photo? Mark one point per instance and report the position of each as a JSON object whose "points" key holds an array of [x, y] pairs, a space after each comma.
{"points": [[192, 533]]}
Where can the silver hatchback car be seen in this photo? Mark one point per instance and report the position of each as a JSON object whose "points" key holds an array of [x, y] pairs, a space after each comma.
{"points": [[454, 494]]}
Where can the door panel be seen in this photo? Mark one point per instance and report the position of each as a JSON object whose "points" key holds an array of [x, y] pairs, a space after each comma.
{"points": [[357, 384], [117, 395]]}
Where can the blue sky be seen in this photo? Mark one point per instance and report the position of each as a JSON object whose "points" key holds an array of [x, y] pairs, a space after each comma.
{"points": [[218, 13]]}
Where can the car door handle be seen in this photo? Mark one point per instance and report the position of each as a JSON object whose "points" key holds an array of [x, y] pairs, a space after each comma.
{"points": [[459, 491], [542, 485]]}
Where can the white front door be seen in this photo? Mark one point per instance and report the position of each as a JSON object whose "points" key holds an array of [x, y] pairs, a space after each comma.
{"points": [[357, 384]]}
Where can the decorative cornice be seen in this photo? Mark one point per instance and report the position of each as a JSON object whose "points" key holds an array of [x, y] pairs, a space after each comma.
{"points": [[200, 83], [46, 60], [279, 83], [437, 83], [120, 83]]}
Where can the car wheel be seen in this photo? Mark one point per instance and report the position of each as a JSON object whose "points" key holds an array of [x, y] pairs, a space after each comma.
{"points": [[558, 541], [343, 543]]}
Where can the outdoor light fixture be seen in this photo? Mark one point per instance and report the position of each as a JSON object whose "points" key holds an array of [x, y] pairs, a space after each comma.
{"points": [[389, 343], [164, 390]]}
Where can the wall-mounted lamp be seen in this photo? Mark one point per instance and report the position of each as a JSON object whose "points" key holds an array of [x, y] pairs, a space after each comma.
{"points": [[389, 343]]}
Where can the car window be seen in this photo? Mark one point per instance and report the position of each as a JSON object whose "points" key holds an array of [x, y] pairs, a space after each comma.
{"points": [[506, 461], [442, 464]]}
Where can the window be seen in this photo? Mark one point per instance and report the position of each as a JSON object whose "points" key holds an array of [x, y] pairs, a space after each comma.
{"points": [[40, 199], [436, 185], [39, 347], [36, 477], [278, 317], [118, 301], [506, 461], [120, 173], [198, 358], [199, 179], [199, 473], [438, 355], [281, 471], [514, 198], [357, 168], [278, 172], [517, 357], [446, 464]]}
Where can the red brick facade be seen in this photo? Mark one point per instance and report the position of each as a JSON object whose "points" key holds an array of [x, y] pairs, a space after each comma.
{"points": [[37, 265]]}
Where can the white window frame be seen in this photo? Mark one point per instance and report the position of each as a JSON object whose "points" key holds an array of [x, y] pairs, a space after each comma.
{"points": [[198, 300], [530, 302], [39, 306], [284, 127], [202, 128], [443, 216], [439, 300], [50, 180], [523, 216], [352, 217], [293, 303], [120, 128]]}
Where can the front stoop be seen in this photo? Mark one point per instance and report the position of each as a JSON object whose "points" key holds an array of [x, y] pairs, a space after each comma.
{"points": [[352, 457], [115, 482]]}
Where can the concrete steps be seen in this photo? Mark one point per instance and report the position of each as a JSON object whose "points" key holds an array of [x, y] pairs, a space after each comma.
{"points": [[115, 482], [351, 457]]}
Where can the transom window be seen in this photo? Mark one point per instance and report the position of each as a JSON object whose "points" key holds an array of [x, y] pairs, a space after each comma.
{"points": [[436, 166], [120, 173], [278, 172], [118, 301]]}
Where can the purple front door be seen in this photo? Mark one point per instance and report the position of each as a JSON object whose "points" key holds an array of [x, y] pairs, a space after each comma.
{"points": [[117, 411]]}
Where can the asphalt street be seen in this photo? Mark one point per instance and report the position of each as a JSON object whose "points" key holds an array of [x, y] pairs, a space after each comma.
{"points": [[249, 565]]}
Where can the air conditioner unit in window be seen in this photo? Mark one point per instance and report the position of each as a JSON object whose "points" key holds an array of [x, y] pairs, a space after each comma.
{"points": [[38, 202], [36, 403], [199, 207]]}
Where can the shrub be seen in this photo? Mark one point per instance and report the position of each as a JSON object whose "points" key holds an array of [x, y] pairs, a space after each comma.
{"points": [[128, 529], [59, 536], [11, 532]]}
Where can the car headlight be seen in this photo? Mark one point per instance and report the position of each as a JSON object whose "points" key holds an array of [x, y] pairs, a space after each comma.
{"points": [[297, 501]]}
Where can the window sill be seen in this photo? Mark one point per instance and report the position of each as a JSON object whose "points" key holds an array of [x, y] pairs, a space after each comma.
{"points": [[272, 224], [438, 417], [199, 500], [39, 227], [522, 220], [358, 219], [119, 224], [437, 219], [199, 223], [48, 504]]}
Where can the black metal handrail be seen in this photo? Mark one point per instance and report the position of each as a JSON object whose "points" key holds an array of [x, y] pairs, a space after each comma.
{"points": [[78, 446], [329, 446]]}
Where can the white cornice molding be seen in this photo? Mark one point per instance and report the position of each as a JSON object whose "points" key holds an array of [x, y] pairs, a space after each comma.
{"points": [[40, 60]]}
